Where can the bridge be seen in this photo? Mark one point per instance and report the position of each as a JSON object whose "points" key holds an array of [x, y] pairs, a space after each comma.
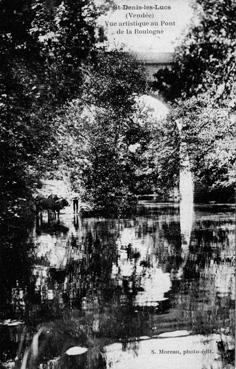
{"points": [[154, 61]]}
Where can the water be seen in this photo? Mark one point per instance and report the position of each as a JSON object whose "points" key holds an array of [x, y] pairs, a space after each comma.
{"points": [[128, 289]]}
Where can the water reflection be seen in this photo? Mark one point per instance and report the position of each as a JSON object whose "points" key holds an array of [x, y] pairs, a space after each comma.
{"points": [[122, 279]]}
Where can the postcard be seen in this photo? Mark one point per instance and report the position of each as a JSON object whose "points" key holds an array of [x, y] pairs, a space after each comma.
{"points": [[117, 216]]}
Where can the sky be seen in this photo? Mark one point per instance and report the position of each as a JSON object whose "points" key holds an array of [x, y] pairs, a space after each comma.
{"points": [[169, 23]]}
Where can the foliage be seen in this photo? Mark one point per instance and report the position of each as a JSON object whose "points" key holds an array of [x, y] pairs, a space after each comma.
{"points": [[114, 80], [156, 159], [65, 37], [201, 86], [210, 137], [41, 50], [206, 59], [99, 127], [50, 65]]}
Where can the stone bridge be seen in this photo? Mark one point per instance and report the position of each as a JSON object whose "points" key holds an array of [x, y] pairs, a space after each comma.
{"points": [[154, 61]]}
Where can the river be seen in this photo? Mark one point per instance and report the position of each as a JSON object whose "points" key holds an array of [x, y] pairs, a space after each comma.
{"points": [[123, 288]]}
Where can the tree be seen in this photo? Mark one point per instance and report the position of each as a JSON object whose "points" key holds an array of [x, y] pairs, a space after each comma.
{"points": [[210, 137], [202, 89], [206, 59], [99, 127], [42, 50]]}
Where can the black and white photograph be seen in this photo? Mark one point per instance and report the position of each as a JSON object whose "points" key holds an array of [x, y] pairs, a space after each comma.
{"points": [[117, 184]]}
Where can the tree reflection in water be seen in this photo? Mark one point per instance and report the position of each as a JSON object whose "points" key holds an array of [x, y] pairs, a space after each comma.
{"points": [[93, 282]]}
